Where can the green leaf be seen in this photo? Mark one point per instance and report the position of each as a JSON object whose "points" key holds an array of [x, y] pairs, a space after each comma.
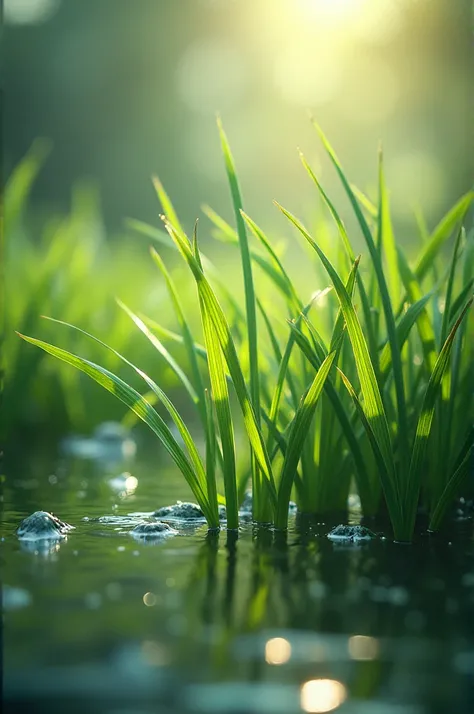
{"points": [[384, 294], [298, 432], [366, 309], [424, 427], [451, 490], [404, 327], [441, 233], [373, 405], [162, 350], [216, 314], [134, 401]]}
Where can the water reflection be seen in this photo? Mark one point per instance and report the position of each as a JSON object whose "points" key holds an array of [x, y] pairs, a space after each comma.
{"points": [[259, 622]]}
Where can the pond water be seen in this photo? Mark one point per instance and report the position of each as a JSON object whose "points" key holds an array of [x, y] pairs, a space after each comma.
{"points": [[101, 622]]}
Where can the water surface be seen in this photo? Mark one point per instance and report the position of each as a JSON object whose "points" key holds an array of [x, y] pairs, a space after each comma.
{"points": [[100, 622]]}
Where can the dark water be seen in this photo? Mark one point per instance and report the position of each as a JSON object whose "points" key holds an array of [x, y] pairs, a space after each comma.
{"points": [[200, 623]]}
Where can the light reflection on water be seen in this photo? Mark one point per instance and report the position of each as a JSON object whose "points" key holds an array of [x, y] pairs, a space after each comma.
{"points": [[219, 624]]}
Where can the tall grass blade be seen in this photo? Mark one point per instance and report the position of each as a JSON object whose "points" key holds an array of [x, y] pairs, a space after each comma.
{"points": [[373, 404], [296, 439], [224, 336], [424, 426], [366, 309], [384, 294]]}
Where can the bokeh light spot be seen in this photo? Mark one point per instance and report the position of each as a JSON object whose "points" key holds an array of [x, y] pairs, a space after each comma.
{"points": [[322, 695], [363, 648], [29, 12], [277, 651]]}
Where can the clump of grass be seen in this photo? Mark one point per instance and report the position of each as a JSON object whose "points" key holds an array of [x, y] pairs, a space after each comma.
{"points": [[338, 397]]}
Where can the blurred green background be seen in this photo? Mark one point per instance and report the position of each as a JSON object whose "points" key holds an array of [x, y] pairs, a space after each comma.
{"points": [[126, 89]]}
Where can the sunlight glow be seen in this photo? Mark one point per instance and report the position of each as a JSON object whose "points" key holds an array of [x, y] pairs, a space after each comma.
{"points": [[277, 651], [322, 695], [332, 9], [369, 20]]}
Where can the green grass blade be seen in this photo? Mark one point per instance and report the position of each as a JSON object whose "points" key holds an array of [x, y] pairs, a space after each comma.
{"points": [[161, 396], [165, 334], [158, 345], [373, 405], [288, 290], [223, 333], [451, 489], [21, 180], [387, 237], [384, 294], [365, 202], [211, 451], [224, 232], [363, 482], [424, 326], [404, 327], [459, 302], [145, 229], [366, 309], [441, 233], [424, 425], [220, 398], [296, 439], [450, 285], [250, 301], [134, 401], [188, 339], [392, 497]]}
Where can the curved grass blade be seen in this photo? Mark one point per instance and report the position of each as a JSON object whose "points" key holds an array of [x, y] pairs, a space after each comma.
{"points": [[373, 405], [157, 391], [366, 309], [403, 445], [222, 330], [134, 401], [404, 327], [288, 290], [165, 334], [163, 352], [441, 233], [298, 432], [188, 338]]}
